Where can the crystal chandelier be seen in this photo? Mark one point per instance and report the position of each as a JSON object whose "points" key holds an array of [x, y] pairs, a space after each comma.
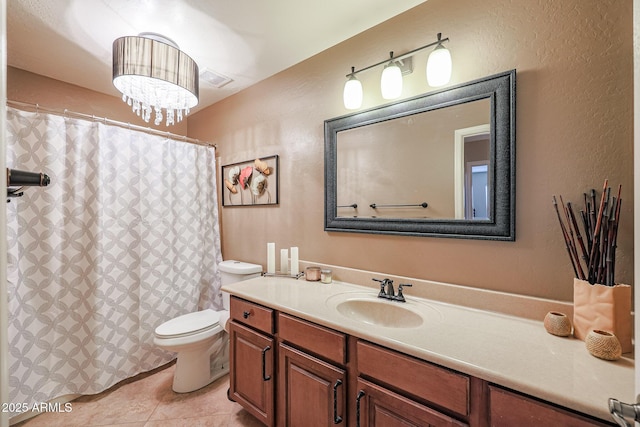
{"points": [[152, 73]]}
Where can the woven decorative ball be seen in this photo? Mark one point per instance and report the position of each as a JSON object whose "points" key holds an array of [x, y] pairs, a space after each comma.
{"points": [[603, 344], [557, 324]]}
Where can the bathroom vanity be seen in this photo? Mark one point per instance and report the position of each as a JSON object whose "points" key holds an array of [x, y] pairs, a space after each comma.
{"points": [[338, 355]]}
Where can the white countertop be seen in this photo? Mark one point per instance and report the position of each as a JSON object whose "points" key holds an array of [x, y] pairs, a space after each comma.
{"points": [[510, 351]]}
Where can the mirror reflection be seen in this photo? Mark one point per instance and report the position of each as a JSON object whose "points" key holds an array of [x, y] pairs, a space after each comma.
{"points": [[434, 164]]}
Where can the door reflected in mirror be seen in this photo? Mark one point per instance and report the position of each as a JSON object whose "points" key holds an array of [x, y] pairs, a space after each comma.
{"points": [[472, 163]]}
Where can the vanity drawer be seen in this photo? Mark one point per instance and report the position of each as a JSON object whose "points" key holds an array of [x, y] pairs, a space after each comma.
{"points": [[421, 379], [252, 314], [316, 339], [510, 409]]}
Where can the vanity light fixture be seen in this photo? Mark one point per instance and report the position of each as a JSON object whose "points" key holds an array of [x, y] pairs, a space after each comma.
{"points": [[152, 73], [438, 74]]}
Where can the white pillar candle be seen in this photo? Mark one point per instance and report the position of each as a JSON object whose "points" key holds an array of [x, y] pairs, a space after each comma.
{"points": [[295, 268], [271, 258], [284, 261]]}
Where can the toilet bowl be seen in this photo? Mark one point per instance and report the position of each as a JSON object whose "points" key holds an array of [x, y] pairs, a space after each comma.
{"points": [[200, 338]]}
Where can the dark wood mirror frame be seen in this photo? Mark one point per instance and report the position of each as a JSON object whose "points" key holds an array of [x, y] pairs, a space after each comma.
{"points": [[500, 89]]}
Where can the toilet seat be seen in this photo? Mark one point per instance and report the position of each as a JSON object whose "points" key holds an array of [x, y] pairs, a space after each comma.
{"points": [[188, 324]]}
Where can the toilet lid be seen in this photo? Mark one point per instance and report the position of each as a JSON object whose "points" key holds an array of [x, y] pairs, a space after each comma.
{"points": [[188, 324]]}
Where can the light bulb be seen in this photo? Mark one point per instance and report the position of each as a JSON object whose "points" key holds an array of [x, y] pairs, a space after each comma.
{"points": [[439, 67], [352, 95], [391, 81]]}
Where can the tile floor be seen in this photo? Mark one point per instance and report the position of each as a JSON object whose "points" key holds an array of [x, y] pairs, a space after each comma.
{"points": [[148, 401]]}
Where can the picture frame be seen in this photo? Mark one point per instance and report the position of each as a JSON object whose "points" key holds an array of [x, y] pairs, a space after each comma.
{"points": [[251, 182]]}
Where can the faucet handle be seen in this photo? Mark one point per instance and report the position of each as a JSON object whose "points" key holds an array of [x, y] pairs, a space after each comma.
{"points": [[400, 295]]}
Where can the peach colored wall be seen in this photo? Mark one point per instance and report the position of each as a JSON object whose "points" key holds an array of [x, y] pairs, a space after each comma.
{"points": [[574, 62], [32, 88]]}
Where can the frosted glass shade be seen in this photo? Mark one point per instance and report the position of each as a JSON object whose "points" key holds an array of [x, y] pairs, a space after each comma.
{"points": [[439, 67], [352, 95], [391, 81]]}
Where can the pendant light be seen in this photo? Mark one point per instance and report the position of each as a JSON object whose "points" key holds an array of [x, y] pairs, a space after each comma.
{"points": [[152, 73]]}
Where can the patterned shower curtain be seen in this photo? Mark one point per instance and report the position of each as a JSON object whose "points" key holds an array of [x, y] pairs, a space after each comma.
{"points": [[124, 238]]}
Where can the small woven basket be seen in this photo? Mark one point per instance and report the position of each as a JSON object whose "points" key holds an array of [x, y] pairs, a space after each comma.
{"points": [[603, 344], [557, 324]]}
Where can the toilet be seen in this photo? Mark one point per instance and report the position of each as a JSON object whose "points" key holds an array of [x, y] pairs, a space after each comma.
{"points": [[200, 338]]}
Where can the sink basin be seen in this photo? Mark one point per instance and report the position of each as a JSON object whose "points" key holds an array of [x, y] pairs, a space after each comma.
{"points": [[380, 312]]}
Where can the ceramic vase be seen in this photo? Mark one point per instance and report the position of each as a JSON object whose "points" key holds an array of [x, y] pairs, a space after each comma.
{"points": [[605, 308]]}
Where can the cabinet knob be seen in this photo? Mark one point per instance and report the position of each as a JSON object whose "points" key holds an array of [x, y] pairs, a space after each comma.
{"points": [[246, 314]]}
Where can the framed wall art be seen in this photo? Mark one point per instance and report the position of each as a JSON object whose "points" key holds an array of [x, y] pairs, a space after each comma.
{"points": [[250, 183]]}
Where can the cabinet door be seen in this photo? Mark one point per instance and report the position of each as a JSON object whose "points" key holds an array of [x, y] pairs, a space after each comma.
{"points": [[378, 407], [251, 373], [311, 392]]}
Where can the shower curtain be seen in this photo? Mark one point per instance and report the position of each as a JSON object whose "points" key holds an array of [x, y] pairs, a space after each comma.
{"points": [[124, 238]]}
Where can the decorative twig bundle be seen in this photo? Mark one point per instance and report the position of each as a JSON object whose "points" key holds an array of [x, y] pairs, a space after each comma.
{"points": [[592, 252]]}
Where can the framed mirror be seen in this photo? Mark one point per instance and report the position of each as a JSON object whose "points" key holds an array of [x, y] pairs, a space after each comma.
{"points": [[440, 164]]}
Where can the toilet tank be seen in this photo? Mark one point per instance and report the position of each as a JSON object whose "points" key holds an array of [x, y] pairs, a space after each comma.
{"points": [[235, 271]]}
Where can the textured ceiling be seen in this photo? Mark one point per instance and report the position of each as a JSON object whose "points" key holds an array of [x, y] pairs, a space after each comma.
{"points": [[244, 40]]}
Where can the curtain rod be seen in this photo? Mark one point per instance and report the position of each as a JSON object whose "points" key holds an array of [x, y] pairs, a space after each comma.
{"points": [[74, 114]]}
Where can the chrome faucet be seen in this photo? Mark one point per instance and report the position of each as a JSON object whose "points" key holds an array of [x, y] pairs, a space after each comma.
{"points": [[390, 291], [387, 290], [385, 286]]}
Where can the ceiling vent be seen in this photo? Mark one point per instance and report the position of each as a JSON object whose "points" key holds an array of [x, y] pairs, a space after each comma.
{"points": [[214, 79]]}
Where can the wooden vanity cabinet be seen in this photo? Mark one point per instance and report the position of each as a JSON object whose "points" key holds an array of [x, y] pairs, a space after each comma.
{"points": [[312, 379], [287, 371], [252, 361]]}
